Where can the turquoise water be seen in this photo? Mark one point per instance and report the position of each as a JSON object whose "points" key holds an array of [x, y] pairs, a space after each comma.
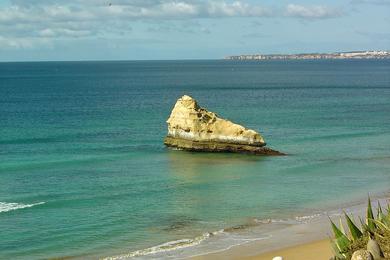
{"points": [[84, 173]]}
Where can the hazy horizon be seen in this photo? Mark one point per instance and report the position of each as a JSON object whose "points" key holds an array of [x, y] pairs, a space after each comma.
{"points": [[182, 59]]}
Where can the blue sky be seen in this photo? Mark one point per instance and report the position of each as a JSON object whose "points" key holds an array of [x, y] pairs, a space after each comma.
{"points": [[187, 29]]}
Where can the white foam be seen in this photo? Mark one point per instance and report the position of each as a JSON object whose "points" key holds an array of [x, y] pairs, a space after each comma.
{"points": [[166, 247], [5, 207], [287, 221], [243, 241], [308, 217], [291, 221]]}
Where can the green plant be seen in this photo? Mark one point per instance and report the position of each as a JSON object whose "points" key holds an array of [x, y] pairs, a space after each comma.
{"points": [[378, 228]]}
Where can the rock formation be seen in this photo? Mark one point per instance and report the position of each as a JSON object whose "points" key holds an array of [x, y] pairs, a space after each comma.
{"points": [[193, 128]]}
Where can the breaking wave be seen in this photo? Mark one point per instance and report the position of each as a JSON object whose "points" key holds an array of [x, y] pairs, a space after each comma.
{"points": [[166, 247], [5, 207], [188, 242], [290, 221]]}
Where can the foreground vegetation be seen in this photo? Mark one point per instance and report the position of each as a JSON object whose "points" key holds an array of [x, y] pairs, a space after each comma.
{"points": [[370, 241]]}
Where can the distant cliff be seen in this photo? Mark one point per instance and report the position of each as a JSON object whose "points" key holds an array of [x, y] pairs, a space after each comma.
{"points": [[315, 56]]}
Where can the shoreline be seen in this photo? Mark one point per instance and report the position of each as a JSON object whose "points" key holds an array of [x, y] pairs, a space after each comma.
{"points": [[306, 238], [260, 240]]}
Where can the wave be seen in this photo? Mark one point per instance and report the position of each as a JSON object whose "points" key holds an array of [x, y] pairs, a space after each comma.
{"points": [[290, 221], [5, 207], [166, 247], [188, 242], [308, 217]]}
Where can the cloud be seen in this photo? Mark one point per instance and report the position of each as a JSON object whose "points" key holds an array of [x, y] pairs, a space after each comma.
{"points": [[22, 42], [189, 27], [312, 12], [130, 9], [49, 20], [56, 32]]}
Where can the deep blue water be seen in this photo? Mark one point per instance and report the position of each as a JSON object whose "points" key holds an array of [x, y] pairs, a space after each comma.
{"points": [[81, 145]]}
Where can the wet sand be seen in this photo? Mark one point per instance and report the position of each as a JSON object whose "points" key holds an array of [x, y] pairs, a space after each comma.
{"points": [[303, 240], [309, 240]]}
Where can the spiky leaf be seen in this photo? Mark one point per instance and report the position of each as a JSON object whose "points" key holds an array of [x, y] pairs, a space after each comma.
{"points": [[386, 220], [365, 228], [336, 251], [341, 240], [379, 209], [353, 229], [382, 225], [370, 216], [381, 217], [342, 229]]}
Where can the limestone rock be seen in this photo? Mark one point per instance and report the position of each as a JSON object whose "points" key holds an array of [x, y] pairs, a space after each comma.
{"points": [[191, 127], [362, 255]]}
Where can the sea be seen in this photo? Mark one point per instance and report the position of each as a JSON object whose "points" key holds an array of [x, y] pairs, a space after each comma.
{"points": [[84, 173]]}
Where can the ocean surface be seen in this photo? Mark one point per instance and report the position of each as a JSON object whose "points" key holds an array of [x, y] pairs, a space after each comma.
{"points": [[84, 173]]}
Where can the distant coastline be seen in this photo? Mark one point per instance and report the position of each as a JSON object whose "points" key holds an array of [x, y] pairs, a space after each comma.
{"points": [[314, 56]]}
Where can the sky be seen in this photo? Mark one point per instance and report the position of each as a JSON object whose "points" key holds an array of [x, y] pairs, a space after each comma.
{"points": [[40, 30]]}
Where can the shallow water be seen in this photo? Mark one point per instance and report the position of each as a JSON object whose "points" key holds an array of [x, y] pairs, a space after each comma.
{"points": [[82, 143]]}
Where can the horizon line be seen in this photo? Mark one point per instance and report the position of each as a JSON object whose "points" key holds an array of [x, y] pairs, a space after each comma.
{"points": [[184, 59]]}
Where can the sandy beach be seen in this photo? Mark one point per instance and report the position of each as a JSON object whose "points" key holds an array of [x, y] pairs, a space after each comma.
{"points": [[307, 240], [319, 250], [293, 242]]}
